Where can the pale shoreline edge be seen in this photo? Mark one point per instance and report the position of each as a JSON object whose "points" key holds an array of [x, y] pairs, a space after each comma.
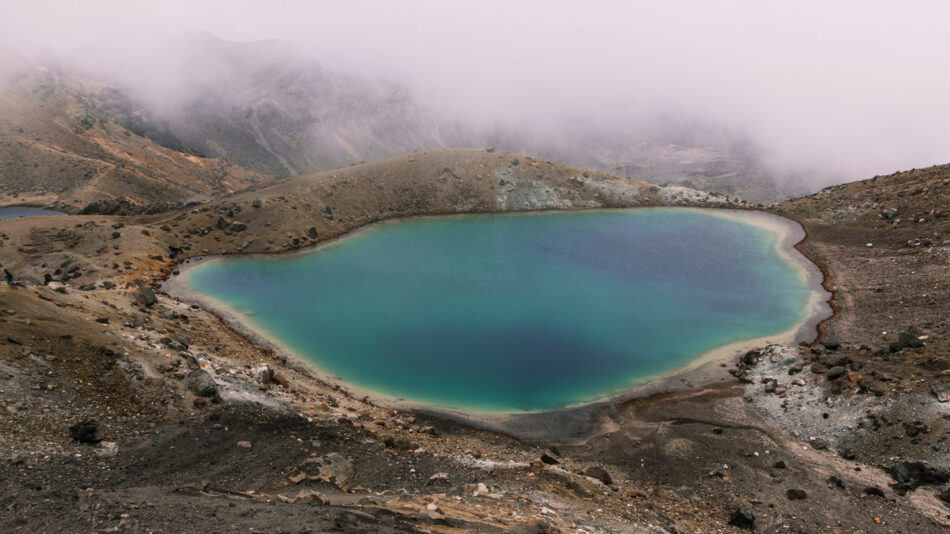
{"points": [[704, 370]]}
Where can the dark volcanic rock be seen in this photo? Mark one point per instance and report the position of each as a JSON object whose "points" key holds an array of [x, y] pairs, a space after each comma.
{"points": [[179, 338], [796, 494], [742, 518], [915, 428], [838, 483], [202, 384], [835, 373], [750, 357], [600, 474], [911, 475], [173, 344], [122, 207], [145, 296], [831, 343], [839, 361], [909, 340], [399, 443], [86, 432]]}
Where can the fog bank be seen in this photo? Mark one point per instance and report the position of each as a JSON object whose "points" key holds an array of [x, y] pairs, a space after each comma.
{"points": [[830, 91]]}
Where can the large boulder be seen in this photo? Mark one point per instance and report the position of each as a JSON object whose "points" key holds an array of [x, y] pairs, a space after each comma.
{"points": [[742, 518], [145, 296], [600, 474], [908, 476], [331, 467], [202, 384]]}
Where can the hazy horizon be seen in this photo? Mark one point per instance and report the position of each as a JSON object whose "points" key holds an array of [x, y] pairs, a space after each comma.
{"points": [[836, 92]]}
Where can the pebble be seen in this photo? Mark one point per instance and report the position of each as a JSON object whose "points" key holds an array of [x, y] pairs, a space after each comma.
{"points": [[743, 518], [796, 494], [835, 372]]}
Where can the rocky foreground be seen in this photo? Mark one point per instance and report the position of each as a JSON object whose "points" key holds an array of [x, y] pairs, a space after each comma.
{"points": [[125, 410]]}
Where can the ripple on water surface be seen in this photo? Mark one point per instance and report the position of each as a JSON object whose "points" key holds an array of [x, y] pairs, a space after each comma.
{"points": [[511, 313]]}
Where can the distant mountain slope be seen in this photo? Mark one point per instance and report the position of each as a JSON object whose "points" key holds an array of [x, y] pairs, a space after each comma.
{"points": [[271, 108], [913, 201], [55, 146], [297, 211], [664, 149], [267, 107]]}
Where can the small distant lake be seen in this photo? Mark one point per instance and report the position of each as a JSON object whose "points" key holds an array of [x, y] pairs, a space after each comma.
{"points": [[14, 212], [520, 312]]}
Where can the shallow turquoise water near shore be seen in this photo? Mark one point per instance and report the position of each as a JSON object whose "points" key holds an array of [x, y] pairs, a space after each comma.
{"points": [[521, 312]]}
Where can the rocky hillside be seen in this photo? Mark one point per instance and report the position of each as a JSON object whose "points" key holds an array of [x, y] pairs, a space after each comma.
{"points": [[295, 212], [126, 409], [56, 147], [885, 243], [301, 210]]}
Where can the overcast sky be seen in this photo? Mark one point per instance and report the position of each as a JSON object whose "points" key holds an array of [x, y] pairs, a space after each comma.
{"points": [[855, 87]]}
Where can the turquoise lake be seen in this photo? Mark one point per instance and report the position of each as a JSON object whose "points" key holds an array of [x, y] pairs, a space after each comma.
{"points": [[516, 313]]}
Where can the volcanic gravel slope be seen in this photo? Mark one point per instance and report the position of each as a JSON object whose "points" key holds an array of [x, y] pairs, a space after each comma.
{"points": [[190, 427], [58, 147]]}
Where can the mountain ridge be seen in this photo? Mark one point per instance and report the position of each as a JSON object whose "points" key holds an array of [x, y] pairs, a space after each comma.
{"points": [[57, 148]]}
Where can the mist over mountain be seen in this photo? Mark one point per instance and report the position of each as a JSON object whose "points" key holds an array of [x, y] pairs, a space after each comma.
{"points": [[270, 107], [761, 101], [58, 144], [263, 105]]}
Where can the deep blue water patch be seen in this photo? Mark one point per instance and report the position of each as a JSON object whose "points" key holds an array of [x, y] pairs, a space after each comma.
{"points": [[522, 312]]}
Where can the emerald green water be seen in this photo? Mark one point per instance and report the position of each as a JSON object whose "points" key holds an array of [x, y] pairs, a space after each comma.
{"points": [[511, 313]]}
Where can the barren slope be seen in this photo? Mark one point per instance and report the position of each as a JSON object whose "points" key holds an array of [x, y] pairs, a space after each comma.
{"points": [[209, 439], [56, 148]]}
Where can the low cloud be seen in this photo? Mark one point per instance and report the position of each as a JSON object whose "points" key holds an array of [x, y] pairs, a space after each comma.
{"points": [[830, 90]]}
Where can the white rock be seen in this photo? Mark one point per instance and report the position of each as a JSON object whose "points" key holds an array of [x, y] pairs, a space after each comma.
{"points": [[107, 449]]}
